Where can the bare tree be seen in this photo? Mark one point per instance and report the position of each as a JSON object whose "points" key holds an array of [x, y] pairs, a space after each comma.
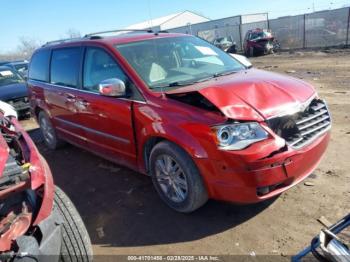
{"points": [[27, 46], [73, 33], [10, 56]]}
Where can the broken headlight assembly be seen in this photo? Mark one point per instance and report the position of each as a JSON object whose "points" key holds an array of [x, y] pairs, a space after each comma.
{"points": [[239, 135]]}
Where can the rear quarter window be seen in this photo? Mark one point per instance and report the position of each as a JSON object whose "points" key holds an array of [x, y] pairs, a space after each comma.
{"points": [[39, 66]]}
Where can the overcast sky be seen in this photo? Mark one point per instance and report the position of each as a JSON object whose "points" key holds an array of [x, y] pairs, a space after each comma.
{"points": [[48, 20]]}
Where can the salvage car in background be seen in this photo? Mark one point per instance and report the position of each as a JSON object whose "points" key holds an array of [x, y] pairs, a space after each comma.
{"points": [[259, 42], [38, 222], [226, 44], [172, 106], [13, 90]]}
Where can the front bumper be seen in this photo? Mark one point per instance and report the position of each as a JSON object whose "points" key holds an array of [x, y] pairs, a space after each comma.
{"points": [[47, 223], [239, 178]]}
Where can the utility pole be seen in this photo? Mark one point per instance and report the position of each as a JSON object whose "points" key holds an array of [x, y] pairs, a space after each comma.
{"points": [[313, 6]]}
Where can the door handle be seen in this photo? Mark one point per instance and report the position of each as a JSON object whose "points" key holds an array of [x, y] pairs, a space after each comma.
{"points": [[70, 97]]}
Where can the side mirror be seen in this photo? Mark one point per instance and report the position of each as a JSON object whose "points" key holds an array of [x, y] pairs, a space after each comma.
{"points": [[112, 87], [243, 60]]}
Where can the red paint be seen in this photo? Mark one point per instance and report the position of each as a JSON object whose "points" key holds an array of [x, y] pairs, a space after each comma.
{"points": [[17, 223], [252, 95], [257, 44], [40, 178], [40, 175]]}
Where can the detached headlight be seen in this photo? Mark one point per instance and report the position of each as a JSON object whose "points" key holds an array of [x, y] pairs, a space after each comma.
{"points": [[239, 136]]}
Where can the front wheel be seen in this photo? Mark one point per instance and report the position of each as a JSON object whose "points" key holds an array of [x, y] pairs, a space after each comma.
{"points": [[176, 178], [76, 244]]}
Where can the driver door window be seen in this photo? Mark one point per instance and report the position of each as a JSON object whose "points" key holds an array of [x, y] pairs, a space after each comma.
{"points": [[99, 66]]}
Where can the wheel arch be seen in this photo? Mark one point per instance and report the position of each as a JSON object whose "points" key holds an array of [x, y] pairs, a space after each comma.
{"points": [[185, 141]]}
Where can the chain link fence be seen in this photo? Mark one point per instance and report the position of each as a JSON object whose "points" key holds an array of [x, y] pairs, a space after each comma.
{"points": [[328, 28], [289, 31], [230, 33]]}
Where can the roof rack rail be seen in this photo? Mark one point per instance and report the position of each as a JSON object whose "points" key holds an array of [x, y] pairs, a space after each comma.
{"points": [[96, 35], [149, 30], [60, 41]]}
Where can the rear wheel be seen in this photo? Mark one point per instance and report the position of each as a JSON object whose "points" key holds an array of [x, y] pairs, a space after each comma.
{"points": [[176, 178], [50, 138], [76, 244]]}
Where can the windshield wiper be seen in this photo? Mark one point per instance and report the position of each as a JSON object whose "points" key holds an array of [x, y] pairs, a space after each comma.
{"points": [[187, 83], [173, 84], [224, 73]]}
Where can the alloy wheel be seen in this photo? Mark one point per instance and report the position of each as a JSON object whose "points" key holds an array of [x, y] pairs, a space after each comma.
{"points": [[171, 178], [47, 130]]}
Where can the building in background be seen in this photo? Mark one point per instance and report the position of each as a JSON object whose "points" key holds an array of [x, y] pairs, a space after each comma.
{"points": [[171, 21]]}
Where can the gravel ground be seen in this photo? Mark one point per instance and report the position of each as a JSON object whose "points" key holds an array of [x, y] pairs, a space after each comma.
{"points": [[124, 215]]}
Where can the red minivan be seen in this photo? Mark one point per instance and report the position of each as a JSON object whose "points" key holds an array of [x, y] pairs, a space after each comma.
{"points": [[182, 111]]}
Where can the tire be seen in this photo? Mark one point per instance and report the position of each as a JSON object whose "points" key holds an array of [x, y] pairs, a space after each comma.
{"points": [[48, 132], [76, 244], [194, 193]]}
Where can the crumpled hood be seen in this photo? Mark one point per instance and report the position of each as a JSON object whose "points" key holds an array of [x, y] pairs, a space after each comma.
{"points": [[253, 94], [13, 91]]}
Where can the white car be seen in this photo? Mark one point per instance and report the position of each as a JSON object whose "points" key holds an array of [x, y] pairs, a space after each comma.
{"points": [[7, 109]]}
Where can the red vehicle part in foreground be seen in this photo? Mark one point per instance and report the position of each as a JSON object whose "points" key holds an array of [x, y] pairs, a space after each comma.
{"points": [[34, 182], [33, 212]]}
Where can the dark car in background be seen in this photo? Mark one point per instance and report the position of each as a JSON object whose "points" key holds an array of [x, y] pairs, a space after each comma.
{"points": [[20, 66], [13, 90]]}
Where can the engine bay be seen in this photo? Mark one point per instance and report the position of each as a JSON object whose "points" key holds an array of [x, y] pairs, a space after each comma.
{"points": [[16, 198]]}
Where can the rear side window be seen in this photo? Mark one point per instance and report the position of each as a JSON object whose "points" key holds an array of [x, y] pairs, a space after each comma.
{"points": [[65, 64], [39, 66]]}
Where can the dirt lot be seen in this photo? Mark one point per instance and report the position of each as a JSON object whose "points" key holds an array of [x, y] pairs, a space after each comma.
{"points": [[125, 216]]}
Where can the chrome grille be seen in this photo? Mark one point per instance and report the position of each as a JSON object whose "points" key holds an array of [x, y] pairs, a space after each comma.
{"points": [[306, 126]]}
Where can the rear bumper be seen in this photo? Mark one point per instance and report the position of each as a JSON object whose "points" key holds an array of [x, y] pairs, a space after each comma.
{"points": [[270, 175]]}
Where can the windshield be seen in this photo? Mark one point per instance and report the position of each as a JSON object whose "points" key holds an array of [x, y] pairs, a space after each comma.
{"points": [[171, 62], [8, 77], [260, 34]]}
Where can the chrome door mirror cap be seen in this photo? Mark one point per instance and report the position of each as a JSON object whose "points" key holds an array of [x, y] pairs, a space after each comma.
{"points": [[112, 87]]}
